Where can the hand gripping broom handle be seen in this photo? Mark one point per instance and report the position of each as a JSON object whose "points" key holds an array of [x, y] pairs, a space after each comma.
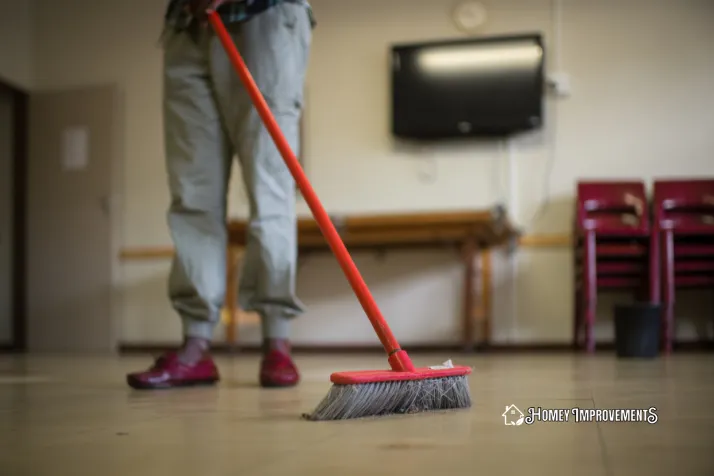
{"points": [[398, 359]]}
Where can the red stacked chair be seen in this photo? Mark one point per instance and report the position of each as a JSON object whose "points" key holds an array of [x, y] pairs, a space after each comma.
{"points": [[684, 224], [613, 249]]}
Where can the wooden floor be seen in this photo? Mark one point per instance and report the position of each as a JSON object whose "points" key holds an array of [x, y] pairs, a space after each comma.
{"points": [[74, 416]]}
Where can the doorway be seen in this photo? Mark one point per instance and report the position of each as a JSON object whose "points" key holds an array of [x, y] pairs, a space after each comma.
{"points": [[73, 145], [6, 217], [13, 162]]}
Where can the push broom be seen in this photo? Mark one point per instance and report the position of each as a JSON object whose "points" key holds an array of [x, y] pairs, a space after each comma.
{"points": [[404, 388]]}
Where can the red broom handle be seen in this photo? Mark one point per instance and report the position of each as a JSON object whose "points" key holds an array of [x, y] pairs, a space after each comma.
{"points": [[397, 358]]}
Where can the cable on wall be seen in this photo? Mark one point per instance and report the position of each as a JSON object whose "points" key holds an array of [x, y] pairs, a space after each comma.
{"points": [[501, 191], [557, 21], [428, 171], [557, 18], [556, 15], [514, 211]]}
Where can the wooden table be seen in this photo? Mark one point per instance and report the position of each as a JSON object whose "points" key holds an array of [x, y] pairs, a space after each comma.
{"points": [[473, 234]]}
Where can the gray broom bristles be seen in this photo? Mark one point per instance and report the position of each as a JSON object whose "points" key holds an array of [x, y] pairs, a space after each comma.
{"points": [[345, 402]]}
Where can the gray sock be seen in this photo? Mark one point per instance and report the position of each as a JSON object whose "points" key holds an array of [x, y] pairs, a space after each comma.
{"points": [[275, 327], [193, 350]]}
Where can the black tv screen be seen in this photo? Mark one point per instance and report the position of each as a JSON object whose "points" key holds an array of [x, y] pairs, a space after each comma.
{"points": [[465, 88]]}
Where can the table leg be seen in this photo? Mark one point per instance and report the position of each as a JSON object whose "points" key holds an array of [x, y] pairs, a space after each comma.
{"points": [[231, 305], [486, 281], [469, 255]]}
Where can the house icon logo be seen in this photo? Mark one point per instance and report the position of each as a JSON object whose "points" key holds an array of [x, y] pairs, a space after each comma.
{"points": [[513, 416]]}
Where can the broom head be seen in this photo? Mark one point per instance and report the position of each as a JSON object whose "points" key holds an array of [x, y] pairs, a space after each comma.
{"points": [[382, 392]]}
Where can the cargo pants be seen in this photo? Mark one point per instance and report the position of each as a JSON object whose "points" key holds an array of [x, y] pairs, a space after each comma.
{"points": [[208, 122]]}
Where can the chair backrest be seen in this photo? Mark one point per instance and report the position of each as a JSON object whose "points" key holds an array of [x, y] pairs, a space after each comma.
{"points": [[684, 205], [618, 208]]}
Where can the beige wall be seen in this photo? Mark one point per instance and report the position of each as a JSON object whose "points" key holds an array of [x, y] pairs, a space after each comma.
{"points": [[642, 106], [16, 42]]}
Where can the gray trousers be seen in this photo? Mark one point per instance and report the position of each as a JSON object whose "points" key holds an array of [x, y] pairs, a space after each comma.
{"points": [[208, 120]]}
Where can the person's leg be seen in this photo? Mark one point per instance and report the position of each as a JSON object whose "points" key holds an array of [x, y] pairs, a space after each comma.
{"points": [[275, 46], [198, 160]]}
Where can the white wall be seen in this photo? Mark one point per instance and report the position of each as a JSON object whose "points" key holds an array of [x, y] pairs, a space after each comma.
{"points": [[16, 43], [6, 228], [642, 106]]}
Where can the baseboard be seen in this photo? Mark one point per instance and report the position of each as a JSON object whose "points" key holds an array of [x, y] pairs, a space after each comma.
{"points": [[563, 347], [126, 348], [512, 348], [8, 349]]}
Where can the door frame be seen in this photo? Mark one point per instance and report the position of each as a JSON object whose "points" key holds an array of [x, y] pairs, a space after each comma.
{"points": [[21, 107]]}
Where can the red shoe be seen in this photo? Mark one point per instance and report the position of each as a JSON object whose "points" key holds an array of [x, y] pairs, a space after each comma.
{"points": [[169, 372], [278, 370]]}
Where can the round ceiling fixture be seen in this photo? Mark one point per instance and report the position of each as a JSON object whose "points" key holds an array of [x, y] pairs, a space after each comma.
{"points": [[469, 16]]}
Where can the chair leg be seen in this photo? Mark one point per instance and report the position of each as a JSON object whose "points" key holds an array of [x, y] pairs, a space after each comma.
{"points": [[577, 293], [590, 311], [668, 291], [590, 291], [577, 317], [668, 328], [712, 323], [654, 274], [578, 321]]}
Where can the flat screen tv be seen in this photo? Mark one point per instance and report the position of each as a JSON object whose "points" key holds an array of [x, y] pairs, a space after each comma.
{"points": [[467, 88]]}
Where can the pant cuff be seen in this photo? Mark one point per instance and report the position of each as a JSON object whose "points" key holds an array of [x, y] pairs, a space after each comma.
{"points": [[275, 327], [197, 329]]}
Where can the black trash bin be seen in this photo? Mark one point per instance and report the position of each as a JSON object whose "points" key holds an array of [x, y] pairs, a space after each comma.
{"points": [[637, 330]]}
